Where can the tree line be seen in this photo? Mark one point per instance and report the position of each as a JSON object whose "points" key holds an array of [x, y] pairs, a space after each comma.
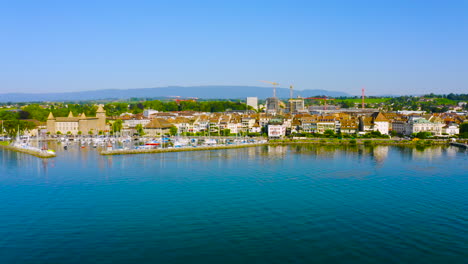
{"points": [[118, 108]]}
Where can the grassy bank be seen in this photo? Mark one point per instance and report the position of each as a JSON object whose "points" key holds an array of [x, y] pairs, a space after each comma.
{"points": [[366, 142]]}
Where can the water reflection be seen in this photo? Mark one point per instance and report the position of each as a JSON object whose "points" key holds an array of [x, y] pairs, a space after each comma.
{"points": [[75, 156], [380, 154], [235, 199]]}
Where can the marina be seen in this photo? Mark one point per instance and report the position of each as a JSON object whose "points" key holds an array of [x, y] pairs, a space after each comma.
{"points": [[147, 145]]}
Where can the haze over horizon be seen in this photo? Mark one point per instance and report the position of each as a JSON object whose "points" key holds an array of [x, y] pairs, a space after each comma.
{"points": [[396, 47]]}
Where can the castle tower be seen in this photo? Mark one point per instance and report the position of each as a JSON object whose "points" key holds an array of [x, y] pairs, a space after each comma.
{"points": [[83, 124], [51, 124], [101, 116]]}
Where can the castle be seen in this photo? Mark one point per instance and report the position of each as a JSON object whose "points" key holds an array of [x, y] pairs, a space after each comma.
{"points": [[81, 123]]}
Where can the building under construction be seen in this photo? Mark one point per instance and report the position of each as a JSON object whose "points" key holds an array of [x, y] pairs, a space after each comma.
{"points": [[296, 105], [272, 105]]}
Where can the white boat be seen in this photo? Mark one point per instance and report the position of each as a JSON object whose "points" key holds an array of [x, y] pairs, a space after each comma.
{"points": [[181, 142], [210, 142]]}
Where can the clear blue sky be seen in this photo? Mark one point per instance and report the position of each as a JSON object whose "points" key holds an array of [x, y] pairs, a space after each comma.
{"points": [[390, 47]]}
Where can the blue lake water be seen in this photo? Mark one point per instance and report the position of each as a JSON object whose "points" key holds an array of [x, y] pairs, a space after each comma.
{"points": [[285, 204]]}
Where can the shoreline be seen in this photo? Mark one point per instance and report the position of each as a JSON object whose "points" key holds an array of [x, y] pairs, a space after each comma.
{"points": [[278, 142], [368, 142]]}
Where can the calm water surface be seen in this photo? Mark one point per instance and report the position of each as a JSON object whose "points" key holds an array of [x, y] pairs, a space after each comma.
{"points": [[297, 204]]}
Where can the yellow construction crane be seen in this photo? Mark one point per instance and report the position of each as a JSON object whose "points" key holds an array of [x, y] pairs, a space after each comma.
{"points": [[274, 86]]}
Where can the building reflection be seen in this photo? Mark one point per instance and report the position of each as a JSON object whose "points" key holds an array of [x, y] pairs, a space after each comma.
{"points": [[430, 153], [379, 154], [261, 158]]}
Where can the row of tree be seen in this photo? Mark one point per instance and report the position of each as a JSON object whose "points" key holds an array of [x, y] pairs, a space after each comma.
{"points": [[12, 127], [117, 108], [436, 104]]}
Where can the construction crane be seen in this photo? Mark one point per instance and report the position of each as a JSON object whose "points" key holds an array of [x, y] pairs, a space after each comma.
{"points": [[362, 98], [274, 86], [325, 99], [291, 91]]}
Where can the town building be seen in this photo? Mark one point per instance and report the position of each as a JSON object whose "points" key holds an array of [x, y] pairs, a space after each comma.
{"points": [[276, 131], [451, 129], [78, 125], [416, 124], [148, 112], [376, 122], [253, 102], [276, 128], [381, 123], [157, 127], [420, 124], [349, 126], [325, 123]]}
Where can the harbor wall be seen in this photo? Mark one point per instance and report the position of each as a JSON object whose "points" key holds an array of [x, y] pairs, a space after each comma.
{"points": [[39, 154]]}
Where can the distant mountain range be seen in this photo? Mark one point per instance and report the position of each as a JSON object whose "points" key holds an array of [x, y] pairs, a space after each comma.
{"points": [[202, 92]]}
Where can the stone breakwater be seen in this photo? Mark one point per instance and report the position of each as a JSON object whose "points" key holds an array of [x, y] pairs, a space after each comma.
{"points": [[280, 142], [145, 151], [33, 152], [461, 145]]}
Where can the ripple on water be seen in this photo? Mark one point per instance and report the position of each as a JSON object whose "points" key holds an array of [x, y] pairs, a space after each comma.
{"points": [[262, 205]]}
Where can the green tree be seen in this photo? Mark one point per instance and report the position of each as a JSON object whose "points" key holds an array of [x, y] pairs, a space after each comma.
{"points": [[8, 115], [173, 131], [463, 130], [422, 135], [225, 132], [117, 125], [36, 112], [329, 133], [139, 129], [11, 127]]}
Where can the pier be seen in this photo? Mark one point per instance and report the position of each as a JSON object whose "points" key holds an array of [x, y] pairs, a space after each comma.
{"points": [[461, 145], [162, 150], [31, 151]]}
